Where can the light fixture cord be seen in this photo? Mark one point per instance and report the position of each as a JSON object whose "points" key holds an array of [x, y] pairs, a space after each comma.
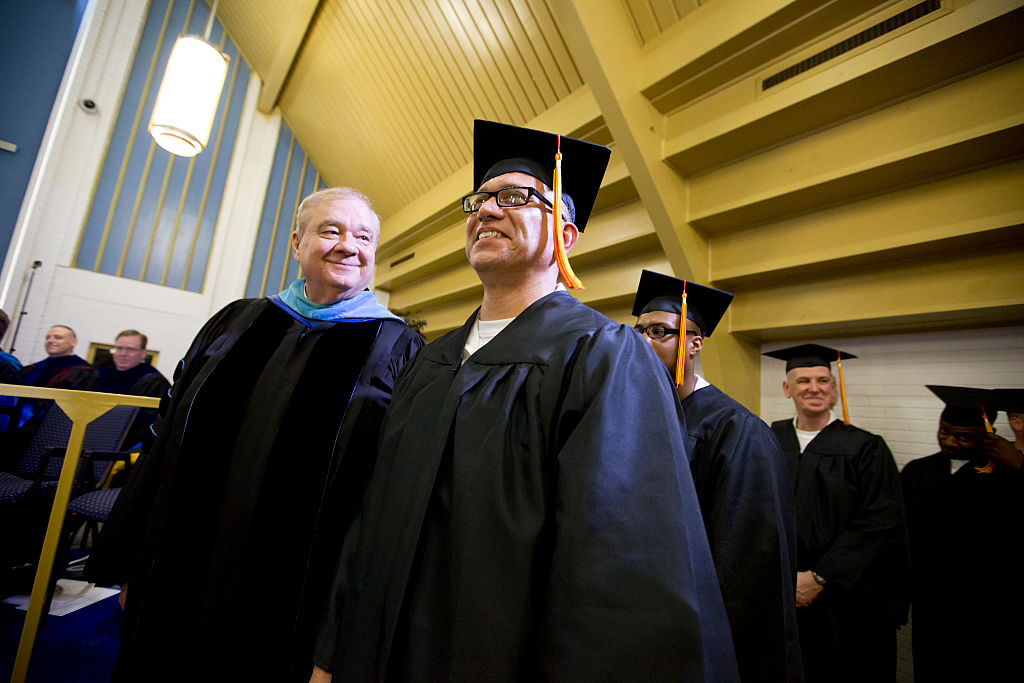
{"points": [[209, 21]]}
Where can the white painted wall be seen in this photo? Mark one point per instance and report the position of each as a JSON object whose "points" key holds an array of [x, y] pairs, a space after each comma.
{"points": [[98, 306]]}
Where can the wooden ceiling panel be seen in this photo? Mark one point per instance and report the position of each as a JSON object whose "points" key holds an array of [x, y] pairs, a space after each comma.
{"points": [[383, 93]]}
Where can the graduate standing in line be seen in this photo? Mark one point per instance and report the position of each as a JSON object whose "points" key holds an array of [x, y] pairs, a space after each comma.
{"points": [[852, 586], [965, 515], [741, 477], [532, 515]]}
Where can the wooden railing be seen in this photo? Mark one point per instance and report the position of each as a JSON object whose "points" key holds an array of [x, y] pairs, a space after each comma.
{"points": [[82, 407]]}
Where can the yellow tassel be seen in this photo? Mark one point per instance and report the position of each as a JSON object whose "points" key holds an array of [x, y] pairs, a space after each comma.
{"points": [[564, 269], [680, 354]]}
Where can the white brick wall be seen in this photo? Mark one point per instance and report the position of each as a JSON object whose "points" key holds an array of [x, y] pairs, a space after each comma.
{"points": [[886, 394]]}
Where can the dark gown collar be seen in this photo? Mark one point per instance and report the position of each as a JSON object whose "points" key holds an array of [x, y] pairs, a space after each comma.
{"points": [[557, 313]]}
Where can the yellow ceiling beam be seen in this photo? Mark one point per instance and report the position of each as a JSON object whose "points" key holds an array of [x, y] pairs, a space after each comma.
{"points": [[980, 287], [607, 54], [721, 41], [291, 38], [967, 123], [968, 208], [605, 50], [736, 121]]}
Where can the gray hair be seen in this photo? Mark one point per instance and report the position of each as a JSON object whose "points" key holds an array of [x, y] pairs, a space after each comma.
{"points": [[309, 203]]}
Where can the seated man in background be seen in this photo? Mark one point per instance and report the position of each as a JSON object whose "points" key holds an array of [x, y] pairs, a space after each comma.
{"points": [[131, 374], [965, 515], [532, 514], [741, 477], [852, 586], [61, 369], [232, 524]]}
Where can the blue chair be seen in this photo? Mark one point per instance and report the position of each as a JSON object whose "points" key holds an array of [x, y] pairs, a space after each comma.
{"points": [[26, 491]]}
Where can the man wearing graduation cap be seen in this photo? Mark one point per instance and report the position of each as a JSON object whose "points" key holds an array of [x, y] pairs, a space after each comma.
{"points": [[741, 477], [532, 514], [852, 581], [965, 515]]}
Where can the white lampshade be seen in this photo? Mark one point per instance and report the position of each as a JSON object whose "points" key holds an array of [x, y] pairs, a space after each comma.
{"points": [[187, 100]]}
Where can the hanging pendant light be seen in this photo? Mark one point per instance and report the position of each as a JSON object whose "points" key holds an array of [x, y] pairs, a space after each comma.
{"points": [[187, 100]]}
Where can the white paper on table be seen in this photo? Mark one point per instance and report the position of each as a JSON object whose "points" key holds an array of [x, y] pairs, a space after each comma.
{"points": [[69, 596]]}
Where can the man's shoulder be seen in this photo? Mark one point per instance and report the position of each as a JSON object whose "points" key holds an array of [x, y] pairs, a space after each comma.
{"points": [[935, 461], [850, 431]]}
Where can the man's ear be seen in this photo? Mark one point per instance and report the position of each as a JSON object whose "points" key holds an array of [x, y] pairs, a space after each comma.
{"points": [[295, 245], [785, 388], [696, 345], [570, 234]]}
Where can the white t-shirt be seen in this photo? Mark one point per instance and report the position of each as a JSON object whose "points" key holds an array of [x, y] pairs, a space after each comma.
{"points": [[482, 332], [805, 437]]}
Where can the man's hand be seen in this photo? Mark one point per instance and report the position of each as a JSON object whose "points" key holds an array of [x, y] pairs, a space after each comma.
{"points": [[806, 589], [1002, 451], [123, 595], [319, 675]]}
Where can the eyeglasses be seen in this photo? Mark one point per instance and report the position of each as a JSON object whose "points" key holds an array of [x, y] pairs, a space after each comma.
{"points": [[656, 331], [126, 349], [507, 197]]}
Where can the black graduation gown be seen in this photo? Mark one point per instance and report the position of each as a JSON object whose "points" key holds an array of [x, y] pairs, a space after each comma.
{"points": [[746, 496], [142, 380], [229, 527], [532, 517], [851, 530], [966, 531]]}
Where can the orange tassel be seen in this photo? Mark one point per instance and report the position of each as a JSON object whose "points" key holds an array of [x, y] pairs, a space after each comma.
{"points": [[842, 388], [564, 269], [682, 341], [991, 466]]}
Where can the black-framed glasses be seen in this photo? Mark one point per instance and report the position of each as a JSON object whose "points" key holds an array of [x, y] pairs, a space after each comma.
{"points": [[507, 197], [657, 331]]}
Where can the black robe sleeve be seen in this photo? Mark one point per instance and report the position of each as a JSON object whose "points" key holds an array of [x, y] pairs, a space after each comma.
{"points": [[116, 549], [746, 496]]}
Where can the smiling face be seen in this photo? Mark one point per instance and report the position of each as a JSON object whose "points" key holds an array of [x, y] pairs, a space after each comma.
{"points": [[813, 390], [514, 239], [128, 352], [60, 341], [336, 248]]}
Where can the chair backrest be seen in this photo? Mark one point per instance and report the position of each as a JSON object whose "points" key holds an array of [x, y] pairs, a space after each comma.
{"points": [[105, 433]]}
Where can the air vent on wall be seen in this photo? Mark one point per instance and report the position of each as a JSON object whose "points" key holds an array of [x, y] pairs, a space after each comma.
{"points": [[866, 36]]}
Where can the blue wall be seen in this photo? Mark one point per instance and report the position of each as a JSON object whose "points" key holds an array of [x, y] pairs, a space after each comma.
{"points": [[153, 214], [36, 37], [292, 177]]}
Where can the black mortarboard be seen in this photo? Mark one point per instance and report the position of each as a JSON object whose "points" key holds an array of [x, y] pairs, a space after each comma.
{"points": [[704, 305], [966, 406], [808, 356], [1009, 400], [500, 148]]}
